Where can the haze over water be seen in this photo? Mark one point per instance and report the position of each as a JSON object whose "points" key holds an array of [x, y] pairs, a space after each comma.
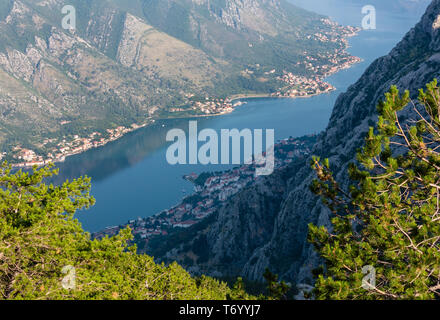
{"points": [[131, 177]]}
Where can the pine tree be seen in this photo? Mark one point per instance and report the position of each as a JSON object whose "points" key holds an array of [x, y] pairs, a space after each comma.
{"points": [[45, 253], [277, 290], [384, 239]]}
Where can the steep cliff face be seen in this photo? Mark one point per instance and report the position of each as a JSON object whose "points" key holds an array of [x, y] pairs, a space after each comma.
{"points": [[226, 241], [51, 76], [248, 31], [410, 65], [241, 14]]}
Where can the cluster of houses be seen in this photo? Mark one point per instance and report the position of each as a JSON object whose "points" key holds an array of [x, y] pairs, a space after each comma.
{"points": [[299, 86], [341, 31], [208, 106], [213, 106], [28, 158], [338, 63], [209, 195]]}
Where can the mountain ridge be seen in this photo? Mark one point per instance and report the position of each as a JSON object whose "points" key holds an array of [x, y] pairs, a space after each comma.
{"points": [[69, 90], [410, 65]]}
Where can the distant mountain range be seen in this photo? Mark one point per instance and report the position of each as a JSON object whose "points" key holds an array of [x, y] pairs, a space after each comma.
{"points": [[130, 61]]}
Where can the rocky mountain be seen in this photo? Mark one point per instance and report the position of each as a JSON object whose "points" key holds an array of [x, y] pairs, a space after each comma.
{"points": [[130, 61], [50, 76], [266, 225], [243, 30]]}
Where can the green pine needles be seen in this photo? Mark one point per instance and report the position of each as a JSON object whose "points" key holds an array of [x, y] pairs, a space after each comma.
{"points": [[383, 244], [384, 240], [45, 254]]}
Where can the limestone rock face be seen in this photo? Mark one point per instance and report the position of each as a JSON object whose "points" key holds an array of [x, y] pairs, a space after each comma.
{"points": [[410, 65], [283, 209], [129, 61]]}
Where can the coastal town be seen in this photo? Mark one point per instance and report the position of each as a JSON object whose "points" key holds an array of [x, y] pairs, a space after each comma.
{"points": [[298, 86], [294, 86], [208, 106], [60, 150], [301, 86], [211, 190]]}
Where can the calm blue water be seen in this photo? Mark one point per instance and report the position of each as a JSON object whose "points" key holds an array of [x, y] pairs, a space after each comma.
{"points": [[131, 177]]}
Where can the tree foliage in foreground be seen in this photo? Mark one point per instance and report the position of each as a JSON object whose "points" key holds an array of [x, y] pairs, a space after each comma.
{"points": [[277, 290], [390, 218], [40, 242]]}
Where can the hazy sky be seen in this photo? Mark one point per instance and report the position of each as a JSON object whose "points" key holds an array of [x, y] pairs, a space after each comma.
{"points": [[415, 7], [349, 12]]}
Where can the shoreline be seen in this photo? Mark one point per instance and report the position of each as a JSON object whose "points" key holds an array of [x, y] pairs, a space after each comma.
{"points": [[232, 98], [269, 96], [212, 191], [39, 164], [237, 97]]}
